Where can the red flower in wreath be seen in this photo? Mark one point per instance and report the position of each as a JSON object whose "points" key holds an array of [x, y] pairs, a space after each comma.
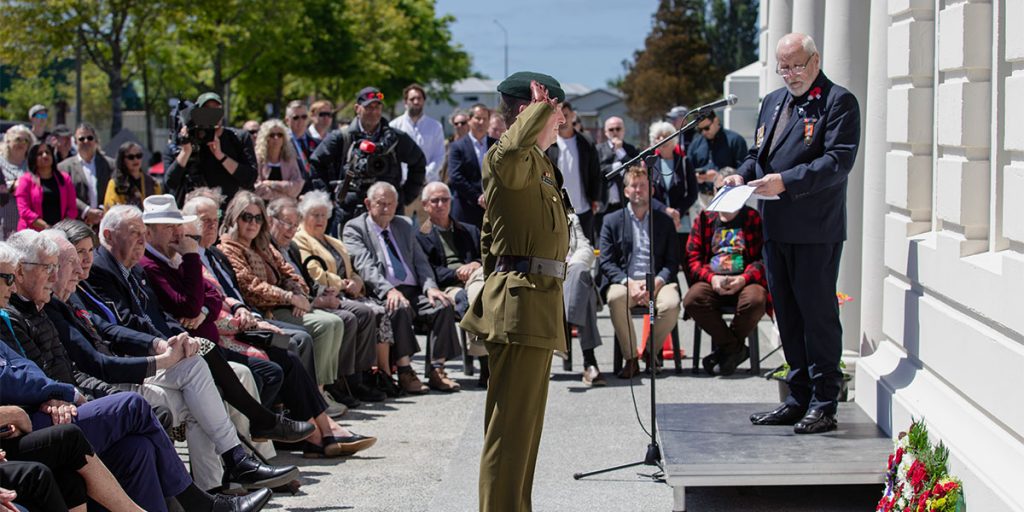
{"points": [[814, 94], [917, 475]]}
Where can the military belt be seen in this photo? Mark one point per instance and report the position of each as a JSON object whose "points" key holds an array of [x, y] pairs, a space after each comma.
{"points": [[531, 265]]}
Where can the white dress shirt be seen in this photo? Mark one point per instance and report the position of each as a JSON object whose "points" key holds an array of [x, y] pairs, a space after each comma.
{"points": [[429, 136], [90, 178], [569, 164]]}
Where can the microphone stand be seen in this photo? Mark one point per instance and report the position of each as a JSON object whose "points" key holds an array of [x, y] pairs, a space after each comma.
{"points": [[653, 455]]}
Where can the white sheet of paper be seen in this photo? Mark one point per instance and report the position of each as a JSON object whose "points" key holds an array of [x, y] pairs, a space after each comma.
{"points": [[731, 199]]}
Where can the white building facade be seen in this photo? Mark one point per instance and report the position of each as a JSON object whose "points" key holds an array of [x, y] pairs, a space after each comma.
{"points": [[935, 257]]}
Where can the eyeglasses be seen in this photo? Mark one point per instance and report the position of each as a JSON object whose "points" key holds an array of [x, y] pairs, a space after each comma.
{"points": [[439, 200], [288, 226], [459, 123], [275, 135], [86, 138], [133, 156], [379, 96], [22, 140], [297, 117], [40, 115], [8, 279], [253, 132], [248, 217], [614, 129], [795, 70], [326, 114], [51, 268], [703, 129]]}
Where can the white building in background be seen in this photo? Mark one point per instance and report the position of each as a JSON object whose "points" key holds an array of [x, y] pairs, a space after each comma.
{"points": [[935, 257]]}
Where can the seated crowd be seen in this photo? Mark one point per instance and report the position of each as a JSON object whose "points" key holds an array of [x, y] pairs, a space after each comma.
{"points": [[253, 302]]}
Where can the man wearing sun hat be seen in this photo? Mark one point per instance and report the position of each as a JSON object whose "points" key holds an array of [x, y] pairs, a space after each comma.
{"points": [[519, 313], [396, 158]]}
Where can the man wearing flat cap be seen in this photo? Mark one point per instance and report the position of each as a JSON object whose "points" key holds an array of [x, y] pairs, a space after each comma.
{"points": [[519, 313]]}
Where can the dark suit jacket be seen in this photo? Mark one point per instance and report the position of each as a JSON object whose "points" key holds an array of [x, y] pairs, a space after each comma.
{"points": [[368, 254], [466, 180], [225, 264], [590, 169], [467, 245], [812, 209], [617, 248], [122, 340], [113, 290], [104, 168], [606, 157]]}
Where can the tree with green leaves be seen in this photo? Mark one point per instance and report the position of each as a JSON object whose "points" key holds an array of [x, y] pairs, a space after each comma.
{"points": [[108, 33], [731, 31], [675, 66]]}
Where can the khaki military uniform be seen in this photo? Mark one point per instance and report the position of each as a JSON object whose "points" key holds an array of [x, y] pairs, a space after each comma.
{"points": [[518, 315]]}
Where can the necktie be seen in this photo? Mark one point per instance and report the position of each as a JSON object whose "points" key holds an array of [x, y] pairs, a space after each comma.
{"points": [[396, 261], [780, 126]]}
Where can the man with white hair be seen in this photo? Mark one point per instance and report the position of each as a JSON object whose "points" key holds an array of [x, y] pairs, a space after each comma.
{"points": [[396, 271], [612, 153], [808, 133], [118, 290]]}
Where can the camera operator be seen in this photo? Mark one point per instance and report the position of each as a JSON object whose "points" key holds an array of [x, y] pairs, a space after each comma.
{"points": [[226, 161], [342, 151]]}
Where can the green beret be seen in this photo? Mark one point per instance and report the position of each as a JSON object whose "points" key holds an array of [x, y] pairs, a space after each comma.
{"points": [[518, 85]]}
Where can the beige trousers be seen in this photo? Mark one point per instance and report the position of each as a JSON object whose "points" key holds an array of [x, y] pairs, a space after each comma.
{"points": [[666, 306]]}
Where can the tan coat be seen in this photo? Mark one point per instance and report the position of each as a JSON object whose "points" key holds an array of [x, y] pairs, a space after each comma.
{"points": [[525, 216], [310, 246]]}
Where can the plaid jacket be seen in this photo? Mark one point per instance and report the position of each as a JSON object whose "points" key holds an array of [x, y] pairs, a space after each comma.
{"points": [[698, 247]]}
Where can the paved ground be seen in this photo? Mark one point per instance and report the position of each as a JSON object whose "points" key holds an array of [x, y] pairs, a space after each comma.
{"points": [[428, 454]]}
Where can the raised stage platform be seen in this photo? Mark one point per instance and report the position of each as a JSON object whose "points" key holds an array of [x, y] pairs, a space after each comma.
{"points": [[710, 445]]}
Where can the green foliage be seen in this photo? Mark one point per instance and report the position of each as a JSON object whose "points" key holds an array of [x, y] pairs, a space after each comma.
{"points": [[258, 51], [675, 66], [731, 32]]}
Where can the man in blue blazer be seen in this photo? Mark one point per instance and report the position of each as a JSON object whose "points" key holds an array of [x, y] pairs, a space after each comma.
{"points": [[464, 158], [806, 142], [625, 254]]}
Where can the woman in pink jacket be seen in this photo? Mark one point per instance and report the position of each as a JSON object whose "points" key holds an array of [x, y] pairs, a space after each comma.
{"points": [[44, 194]]}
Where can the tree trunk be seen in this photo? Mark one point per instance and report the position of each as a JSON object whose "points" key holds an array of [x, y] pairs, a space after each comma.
{"points": [[147, 102], [116, 84]]}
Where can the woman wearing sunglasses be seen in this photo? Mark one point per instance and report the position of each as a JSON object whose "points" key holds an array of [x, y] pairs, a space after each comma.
{"points": [[129, 183], [277, 167], [44, 194]]}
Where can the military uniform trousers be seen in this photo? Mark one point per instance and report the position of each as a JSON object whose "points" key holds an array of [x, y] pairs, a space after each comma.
{"points": [[513, 423], [128, 438]]}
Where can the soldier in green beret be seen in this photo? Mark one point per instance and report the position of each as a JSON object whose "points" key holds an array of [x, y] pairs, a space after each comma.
{"points": [[518, 315]]}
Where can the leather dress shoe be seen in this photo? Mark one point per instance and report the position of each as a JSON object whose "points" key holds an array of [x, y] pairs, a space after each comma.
{"points": [[410, 383], [710, 363], [365, 393], [252, 474], [784, 414], [727, 363], [285, 430], [816, 422], [251, 502], [349, 445], [342, 394], [630, 369]]}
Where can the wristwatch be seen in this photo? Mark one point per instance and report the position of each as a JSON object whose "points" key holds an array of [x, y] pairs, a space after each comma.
{"points": [[205, 310]]}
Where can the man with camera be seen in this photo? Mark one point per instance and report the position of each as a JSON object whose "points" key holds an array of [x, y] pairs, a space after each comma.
{"points": [[369, 150], [205, 154]]}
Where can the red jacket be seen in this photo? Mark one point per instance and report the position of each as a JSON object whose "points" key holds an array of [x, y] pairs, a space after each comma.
{"points": [[29, 193]]}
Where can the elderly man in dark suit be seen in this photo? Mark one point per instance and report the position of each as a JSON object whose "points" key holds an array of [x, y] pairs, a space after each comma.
{"points": [[396, 271], [805, 145], [624, 262], [90, 171], [465, 158], [611, 154]]}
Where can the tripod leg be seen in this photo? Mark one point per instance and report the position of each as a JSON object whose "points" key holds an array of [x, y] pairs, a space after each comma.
{"points": [[578, 476]]}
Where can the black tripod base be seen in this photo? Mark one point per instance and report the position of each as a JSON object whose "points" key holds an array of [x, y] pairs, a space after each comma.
{"points": [[653, 458]]}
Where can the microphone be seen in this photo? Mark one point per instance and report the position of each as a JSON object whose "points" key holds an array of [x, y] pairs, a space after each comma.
{"points": [[724, 102], [367, 146]]}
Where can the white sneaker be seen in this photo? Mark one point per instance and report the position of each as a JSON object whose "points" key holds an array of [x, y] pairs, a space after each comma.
{"points": [[592, 377], [334, 409]]}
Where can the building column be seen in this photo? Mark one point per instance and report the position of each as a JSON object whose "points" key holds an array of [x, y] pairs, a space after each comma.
{"points": [[875, 146], [780, 23], [845, 62], [809, 18]]}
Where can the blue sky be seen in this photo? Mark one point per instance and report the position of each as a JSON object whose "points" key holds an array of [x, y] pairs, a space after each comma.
{"points": [[576, 41]]}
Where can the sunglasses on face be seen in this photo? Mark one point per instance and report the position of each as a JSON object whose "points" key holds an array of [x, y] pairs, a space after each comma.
{"points": [[374, 96], [326, 114], [615, 129], [703, 129], [133, 156], [253, 132], [40, 115], [460, 123], [249, 217], [303, 116], [86, 138], [7, 279], [439, 200], [275, 135]]}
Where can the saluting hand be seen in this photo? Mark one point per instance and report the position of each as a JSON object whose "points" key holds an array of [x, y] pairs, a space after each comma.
{"points": [[539, 94]]}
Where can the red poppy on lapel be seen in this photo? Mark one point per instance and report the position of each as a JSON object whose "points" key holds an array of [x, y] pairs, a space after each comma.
{"points": [[814, 94]]}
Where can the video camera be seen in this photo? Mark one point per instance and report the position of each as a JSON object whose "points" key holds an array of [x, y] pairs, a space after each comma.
{"points": [[370, 161], [201, 123]]}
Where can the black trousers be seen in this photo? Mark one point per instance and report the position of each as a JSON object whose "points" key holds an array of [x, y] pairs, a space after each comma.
{"points": [[441, 318], [802, 280], [269, 375], [298, 389], [60, 451], [235, 393]]}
